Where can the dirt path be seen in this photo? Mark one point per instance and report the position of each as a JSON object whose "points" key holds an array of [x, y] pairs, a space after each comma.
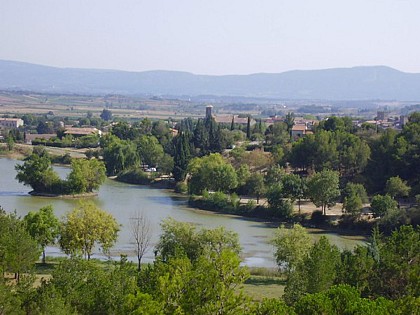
{"points": [[74, 153]]}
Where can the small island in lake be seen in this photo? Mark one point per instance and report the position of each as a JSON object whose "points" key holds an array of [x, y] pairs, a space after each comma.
{"points": [[85, 177]]}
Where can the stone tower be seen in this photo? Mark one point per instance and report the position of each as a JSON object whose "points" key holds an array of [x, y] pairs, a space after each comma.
{"points": [[209, 109]]}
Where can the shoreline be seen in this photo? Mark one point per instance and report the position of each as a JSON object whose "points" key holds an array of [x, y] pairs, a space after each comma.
{"points": [[73, 196], [269, 221]]}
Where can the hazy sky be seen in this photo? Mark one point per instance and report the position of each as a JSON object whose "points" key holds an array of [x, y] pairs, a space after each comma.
{"points": [[212, 36]]}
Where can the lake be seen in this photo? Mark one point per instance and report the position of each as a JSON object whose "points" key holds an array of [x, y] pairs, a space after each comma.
{"points": [[123, 200]]}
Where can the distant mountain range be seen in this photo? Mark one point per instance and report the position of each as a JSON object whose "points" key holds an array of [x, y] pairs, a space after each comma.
{"points": [[358, 83]]}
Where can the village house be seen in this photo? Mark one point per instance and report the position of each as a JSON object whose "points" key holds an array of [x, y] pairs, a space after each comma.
{"points": [[11, 123], [299, 131]]}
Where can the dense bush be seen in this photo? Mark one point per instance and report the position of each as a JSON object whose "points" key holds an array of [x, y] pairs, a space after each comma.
{"points": [[135, 176]]}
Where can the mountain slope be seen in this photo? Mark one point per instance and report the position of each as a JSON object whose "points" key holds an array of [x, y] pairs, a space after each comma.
{"points": [[376, 82]]}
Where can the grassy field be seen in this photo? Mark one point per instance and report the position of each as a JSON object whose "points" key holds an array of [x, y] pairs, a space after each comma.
{"points": [[260, 287]]}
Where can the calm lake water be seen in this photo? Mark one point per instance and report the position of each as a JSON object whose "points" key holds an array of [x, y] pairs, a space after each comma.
{"points": [[123, 200]]}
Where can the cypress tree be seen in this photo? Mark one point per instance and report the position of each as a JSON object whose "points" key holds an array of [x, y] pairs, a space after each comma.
{"points": [[182, 156], [248, 128]]}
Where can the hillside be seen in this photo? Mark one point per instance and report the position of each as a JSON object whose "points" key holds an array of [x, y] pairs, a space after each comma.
{"points": [[359, 83]]}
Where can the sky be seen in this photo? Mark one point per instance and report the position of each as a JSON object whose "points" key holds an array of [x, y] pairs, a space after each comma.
{"points": [[214, 37]]}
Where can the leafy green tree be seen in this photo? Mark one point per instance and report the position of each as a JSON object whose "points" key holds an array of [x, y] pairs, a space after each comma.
{"points": [[395, 273], [180, 238], [45, 127], [209, 285], [317, 303], [18, 250], [106, 115], [396, 187], [354, 197], [150, 150], [321, 265], [84, 287], [119, 155], [86, 175], [291, 246], [323, 189], [316, 273], [10, 302], [36, 171], [43, 226], [255, 186], [166, 164], [10, 143], [353, 153], [356, 268], [274, 175], [243, 174], [211, 172], [380, 205], [122, 130], [87, 226], [294, 187], [280, 206], [257, 160]]}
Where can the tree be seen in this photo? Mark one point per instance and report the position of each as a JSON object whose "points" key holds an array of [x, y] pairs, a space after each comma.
{"points": [[294, 187], [18, 250], [277, 133], [396, 187], [255, 186], [248, 128], [36, 171], [209, 285], [275, 197], [323, 189], [211, 172], [45, 128], [289, 119], [86, 175], [316, 273], [380, 205], [106, 115], [10, 143], [85, 287], [291, 246], [322, 265], [354, 197], [119, 155], [86, 226], [182, 155], [196, 271], [182, 239], [257, 159], [43, 226], [396, 269], [150, 150], [141, 234]]}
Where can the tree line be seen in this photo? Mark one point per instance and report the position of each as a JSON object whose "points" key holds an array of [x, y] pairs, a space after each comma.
{"points": [[199, 271]]}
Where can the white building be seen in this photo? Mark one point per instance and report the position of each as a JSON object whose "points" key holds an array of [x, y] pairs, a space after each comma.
{"points": [[10, 123]]}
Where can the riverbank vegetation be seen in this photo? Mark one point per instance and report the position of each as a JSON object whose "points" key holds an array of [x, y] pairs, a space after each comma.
{"points": [[199, 271], [338, 162], [36, 171]]}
